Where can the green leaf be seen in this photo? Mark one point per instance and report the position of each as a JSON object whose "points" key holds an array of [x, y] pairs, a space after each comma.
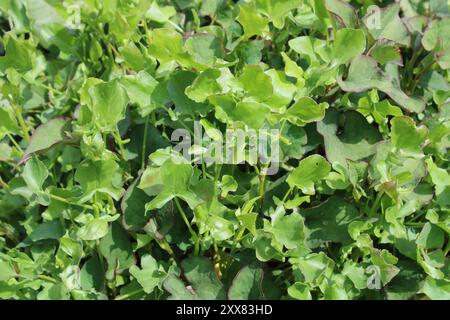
{"points": [[431, 237], [349, 43], [175, 178], [92, 275], [8, 122], [247, 285], [295, 146], [116, 248], [299, 291], [160, 14], [344, 11], [6, 271], [228, 185], [149, 275], [252, 22], [356, 140], [96, 228], [256, 83], [109, 102], [406, 136], [291, 68], [306, 110], [276, 10], [221, 229], [435, 38], [356, 273], [167, 47], [177, 86], [252, 114], [19, 55], [329, 221], [406, 283], [386, 24], [355, 93], [139, 89], [54, 292], [364, 74], [35, 173], [436, 289], [204, 48], [47, 230], [177, 289], [309, 171], [314, 266], [204, 86], [133, 208], [48, 135], [283, 90], [439, 176], [102, 176], [289, 230], [315, 49], [384, 53], [205, 284]]}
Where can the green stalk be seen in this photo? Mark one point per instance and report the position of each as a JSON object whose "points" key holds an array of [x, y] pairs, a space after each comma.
{"points": [[120, 143], [181, 122], [417, 216], [144, 143], [262, 183], [163, 244], [447, 248], [52, 196], [47, 278], [22, 123], [16, 145], [100, 257], [191, 231], [3, 184], [129, 294], [175, 26], [287, 195], [218, 171], [147, 32], [262, 179], [376, 204], [204, 170], [237, 239]]}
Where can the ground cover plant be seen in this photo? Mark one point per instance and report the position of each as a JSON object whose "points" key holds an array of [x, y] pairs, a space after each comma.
{"points": [[97, 201]]}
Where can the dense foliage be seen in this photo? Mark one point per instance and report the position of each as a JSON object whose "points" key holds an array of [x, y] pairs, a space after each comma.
{"points": [[95, 203]]}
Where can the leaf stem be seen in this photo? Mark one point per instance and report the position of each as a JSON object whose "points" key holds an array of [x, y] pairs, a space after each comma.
{"points": [[147, 32], [22, 123], [447, 248], [175, 26], [16, 145], [129, 294], [119, 142], [417, 216], [60, 199], [144, 142], [376, 204], [186, 221], [181, 122], [47, 278], [204, 170], [218, 171], [3, 184], [287, 195], [165, 246], [237, 239]]}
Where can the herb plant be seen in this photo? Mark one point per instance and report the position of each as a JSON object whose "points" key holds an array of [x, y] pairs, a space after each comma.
{"points": [[96, 201]]}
